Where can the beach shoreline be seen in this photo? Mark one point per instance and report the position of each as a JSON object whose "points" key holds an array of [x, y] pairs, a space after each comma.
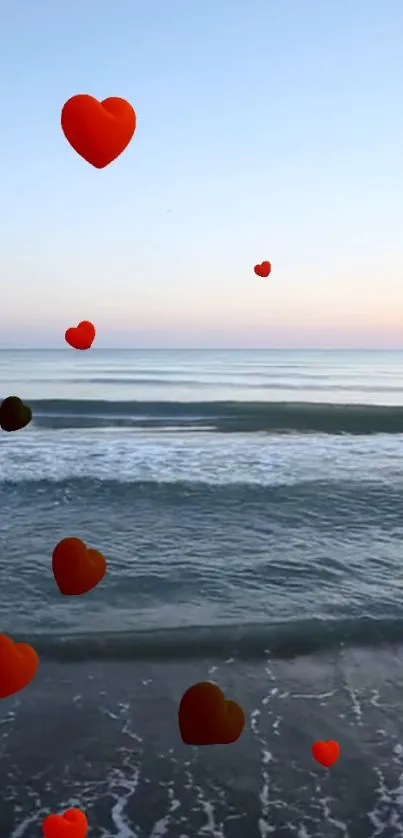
{"points": [[103, 736]]}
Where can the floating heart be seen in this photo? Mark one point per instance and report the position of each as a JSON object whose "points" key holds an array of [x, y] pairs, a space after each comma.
{"points": [[14, 414], [73, 824], [263, 269], [81, 336], [18, 666], [77, 568], [326, 753], [98, 131], [207, 718]]}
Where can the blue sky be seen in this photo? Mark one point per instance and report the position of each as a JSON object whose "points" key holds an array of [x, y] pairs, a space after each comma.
{"points": [[266, 129]]}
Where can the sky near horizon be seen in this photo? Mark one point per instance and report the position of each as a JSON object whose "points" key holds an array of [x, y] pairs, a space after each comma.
{"points": [[266, 129]]}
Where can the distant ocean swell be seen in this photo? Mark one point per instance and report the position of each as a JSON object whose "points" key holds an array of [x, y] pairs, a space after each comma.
{"points": [[221, 416], [248, 642], [261, 382]]}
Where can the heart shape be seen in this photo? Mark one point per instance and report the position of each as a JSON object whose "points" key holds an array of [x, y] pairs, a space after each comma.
{"points": [[263, 269], [81, 336], [206, 717], [77, 568], [14, 414], [326, 753], [73, 824], [98, 131], [18, 666]]}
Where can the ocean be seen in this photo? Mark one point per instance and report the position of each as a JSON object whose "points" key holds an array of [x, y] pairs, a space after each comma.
{"points": [[250, 508]]}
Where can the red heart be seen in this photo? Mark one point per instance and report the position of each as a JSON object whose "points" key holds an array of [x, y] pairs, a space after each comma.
{"points": [[81, 336], [14, 414], [73, 824], [18, 665], [326, 753], [206, 717], [77, 568], [263, 269], [98, 131]]}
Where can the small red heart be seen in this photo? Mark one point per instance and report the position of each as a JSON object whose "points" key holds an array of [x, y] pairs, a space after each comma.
{"points": [[263, 269], [73, 824], [326, 753], [81, 336], [98, 131]]}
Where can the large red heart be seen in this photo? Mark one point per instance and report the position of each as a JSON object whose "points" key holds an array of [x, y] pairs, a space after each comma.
{"points": [[14, 414], [73, 824], [206, 717], [98, 131], [18, 665], [77, 568], [81, 336], [326, 753]]}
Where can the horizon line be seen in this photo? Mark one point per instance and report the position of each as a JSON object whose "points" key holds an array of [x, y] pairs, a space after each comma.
{"points": [[207, 349]]}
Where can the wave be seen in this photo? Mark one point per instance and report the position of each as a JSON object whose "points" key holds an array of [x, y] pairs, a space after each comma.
{"points": [[349, 493], [221, 416], [307, 382], [248, 642]]}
